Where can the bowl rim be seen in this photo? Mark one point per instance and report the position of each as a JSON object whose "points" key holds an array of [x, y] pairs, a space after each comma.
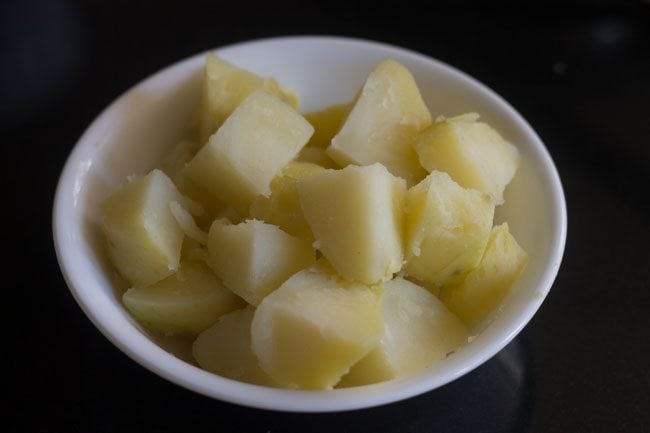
{"points": [[166, 365]]}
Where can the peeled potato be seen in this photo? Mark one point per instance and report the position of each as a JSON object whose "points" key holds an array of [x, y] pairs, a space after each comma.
{"points": [[254, 258], [310, 331], [419, 331], [316, 155], [486, 287], [327, 123], [282, 207], [189, 301], [144, 240], [225, 86], [471, 152], [225, 349], [256, 141], [383, 124], [356, 217], [447, 229]]}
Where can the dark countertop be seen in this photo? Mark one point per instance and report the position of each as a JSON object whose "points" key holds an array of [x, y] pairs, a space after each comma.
{"points": [[578, 72]]}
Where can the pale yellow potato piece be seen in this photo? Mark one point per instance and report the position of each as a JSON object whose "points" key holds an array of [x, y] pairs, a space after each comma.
{"points": [[323, 266], [193, 251], [447, 229], [254, 258], [357, 220], [176, 160], [310, 331], [260, 137], [419, 331], [485, 288], [282, 207], [191, 300], [187, 224], [174, 166], [143, 238], [471, 152], [225, 86], [327, 123], [384, 123], [211, 205], [316, 155], [225, 349]]}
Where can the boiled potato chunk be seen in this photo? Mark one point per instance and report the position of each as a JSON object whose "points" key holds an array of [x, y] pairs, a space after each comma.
{"points": [[225, 349], [193, 251], [484, 289], [254, 258], [225, 86], [175, 162], [191, 300], [471, 152], [282, 207], [447, 228], [174, 166], [316, 155], [144, 240], [309, 332], [384, 123], [239, 161], [327, 123], [187, 224], [419, 331], [356, 217]]}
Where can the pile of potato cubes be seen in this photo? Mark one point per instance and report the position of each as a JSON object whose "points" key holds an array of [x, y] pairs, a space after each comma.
{"points": [[345, 247]]}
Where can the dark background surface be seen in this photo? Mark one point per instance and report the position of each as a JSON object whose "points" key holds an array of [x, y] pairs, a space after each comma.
{"points": [[578, 72]]}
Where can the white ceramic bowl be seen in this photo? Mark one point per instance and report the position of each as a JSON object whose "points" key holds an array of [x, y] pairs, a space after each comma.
{"points": [[135, 131]]}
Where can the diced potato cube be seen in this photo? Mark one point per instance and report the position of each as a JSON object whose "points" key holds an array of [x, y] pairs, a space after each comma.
{"points": [[327, 123], [225, 86], [447, 228], [144, 240], [316, 155], [419, 331], [211, 205], [384, 123], [174, 166], [193, 251], [309, 332], [323, 266], [191, 300], [175, 162], [282, 207], [485, 288], [187, 223], [356, 217], [225, 349], [260, 137], [254, 258], [471, 152]]}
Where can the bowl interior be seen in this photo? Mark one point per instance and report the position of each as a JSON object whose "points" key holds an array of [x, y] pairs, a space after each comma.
{"points": [[136, 131]]}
